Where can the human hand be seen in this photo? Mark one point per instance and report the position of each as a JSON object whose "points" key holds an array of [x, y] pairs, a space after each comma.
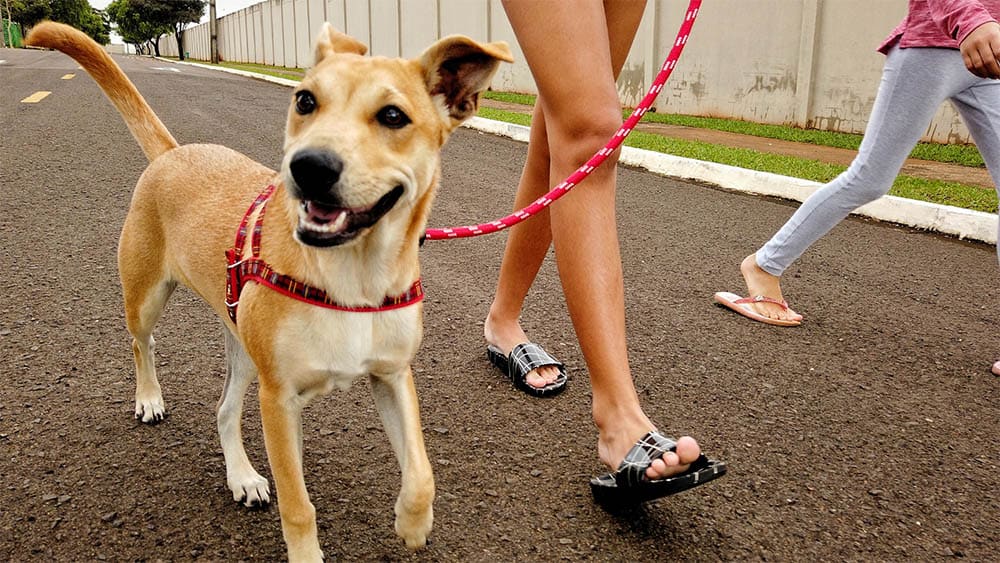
{"points": [[980, 50]]}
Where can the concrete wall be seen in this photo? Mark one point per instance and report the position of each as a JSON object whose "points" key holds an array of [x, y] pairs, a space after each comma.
{"points": [[120, 49], [810, 63]]}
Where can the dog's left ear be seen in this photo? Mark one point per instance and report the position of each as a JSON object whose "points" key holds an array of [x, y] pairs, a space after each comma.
{"points": [[330, 41], [458, 69]]}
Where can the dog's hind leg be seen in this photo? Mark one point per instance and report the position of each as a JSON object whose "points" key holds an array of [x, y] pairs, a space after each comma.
{"points": [[146, 287], [247, 485], [143, 307], [396, 400]]}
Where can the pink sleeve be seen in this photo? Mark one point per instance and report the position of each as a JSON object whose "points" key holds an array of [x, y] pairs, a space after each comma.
{"points": [[958, 18]]}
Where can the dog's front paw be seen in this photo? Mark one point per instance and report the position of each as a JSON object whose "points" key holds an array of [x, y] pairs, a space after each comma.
{"points": [[309, 552], [149, 411], [414, 527], [252, 490]]}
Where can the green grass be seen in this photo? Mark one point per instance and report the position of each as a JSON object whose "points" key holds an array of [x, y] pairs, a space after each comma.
{"points": [[288, 73], [504, 115], [935, 191], [966, 155], [279, 71], [510, 97]]}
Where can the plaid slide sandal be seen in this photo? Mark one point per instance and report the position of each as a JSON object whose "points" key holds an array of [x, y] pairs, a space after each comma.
{"points": [[628, 485], [524, 358]]}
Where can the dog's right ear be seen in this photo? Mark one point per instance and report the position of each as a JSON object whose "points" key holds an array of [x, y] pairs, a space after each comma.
{"points": [[330, 41]]}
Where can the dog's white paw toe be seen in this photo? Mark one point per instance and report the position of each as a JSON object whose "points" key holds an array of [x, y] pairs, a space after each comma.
{"points": [[149, 411], [251, 491], [414, 529]]}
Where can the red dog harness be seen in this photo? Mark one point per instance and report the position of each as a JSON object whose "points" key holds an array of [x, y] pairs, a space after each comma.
{"points": [[240, 270]]}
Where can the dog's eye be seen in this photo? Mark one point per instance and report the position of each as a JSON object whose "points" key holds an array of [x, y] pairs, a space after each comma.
{"points": [[305, 102], [392, 117]]}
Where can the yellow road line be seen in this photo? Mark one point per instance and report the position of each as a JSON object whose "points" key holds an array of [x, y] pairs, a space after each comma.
{"points": [[35, 98], [68, 76]]}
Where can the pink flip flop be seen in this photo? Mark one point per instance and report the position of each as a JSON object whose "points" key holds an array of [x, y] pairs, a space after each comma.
{"points": [[742, 306]]}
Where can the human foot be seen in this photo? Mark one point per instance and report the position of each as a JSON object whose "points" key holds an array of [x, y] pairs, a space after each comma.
{"points": [[761, 283], [654, 467], [524, 359], [504, 337], [613, 447], [996, 368]]}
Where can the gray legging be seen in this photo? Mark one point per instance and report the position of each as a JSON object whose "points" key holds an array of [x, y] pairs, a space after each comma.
{"points": [[915, 82]]}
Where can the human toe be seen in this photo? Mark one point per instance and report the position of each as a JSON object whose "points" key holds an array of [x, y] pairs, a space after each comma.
{"points": [[786, 314], [770, 311], [775, 308], [677, 461], [543, 376]]}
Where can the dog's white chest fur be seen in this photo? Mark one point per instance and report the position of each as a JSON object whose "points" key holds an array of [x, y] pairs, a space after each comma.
{"points": [[326, 348]]}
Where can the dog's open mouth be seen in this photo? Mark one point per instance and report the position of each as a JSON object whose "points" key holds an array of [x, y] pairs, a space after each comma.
{"points": [[321, 224]]}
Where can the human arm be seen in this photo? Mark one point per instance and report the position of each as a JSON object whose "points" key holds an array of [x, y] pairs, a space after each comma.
{"points": [[980, 50], [975, 29], [958, 18]]}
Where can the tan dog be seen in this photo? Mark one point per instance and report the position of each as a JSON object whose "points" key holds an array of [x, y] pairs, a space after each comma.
{"points": [[360, 170]]}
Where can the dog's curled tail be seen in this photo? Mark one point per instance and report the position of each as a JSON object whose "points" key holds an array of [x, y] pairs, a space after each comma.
{"points": [[146, 127]]}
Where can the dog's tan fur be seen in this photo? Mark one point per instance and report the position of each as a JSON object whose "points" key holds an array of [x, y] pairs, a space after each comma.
{"points": [[184, 214]]}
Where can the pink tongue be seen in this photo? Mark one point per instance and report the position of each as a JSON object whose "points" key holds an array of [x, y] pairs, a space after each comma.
{"points": [[322, 214]]}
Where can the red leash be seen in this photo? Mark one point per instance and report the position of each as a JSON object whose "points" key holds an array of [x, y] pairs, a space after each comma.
{"points": [[575, 178]]}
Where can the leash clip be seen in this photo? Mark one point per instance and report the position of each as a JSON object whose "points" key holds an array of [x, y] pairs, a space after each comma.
{"points": [[234, 282]]}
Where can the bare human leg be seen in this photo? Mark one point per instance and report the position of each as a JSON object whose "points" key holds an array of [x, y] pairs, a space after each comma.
{"points": [[526, 247], [578, 102]]}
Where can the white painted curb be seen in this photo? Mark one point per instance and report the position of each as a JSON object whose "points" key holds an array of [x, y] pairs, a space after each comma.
{"points": [[246, 73], [963, 223]]}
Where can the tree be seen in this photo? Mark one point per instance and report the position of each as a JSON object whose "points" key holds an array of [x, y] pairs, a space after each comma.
{"points": [[187, 11], [134, 26], [30, 12], [175, 14], [80, 14]]}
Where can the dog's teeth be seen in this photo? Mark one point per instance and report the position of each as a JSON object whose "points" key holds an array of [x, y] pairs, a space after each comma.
{"points": [[338, 223], [334, 226], [322, 222]]}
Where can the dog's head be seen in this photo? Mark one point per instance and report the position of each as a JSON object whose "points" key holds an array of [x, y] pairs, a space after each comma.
{"points": [[363, 135]]}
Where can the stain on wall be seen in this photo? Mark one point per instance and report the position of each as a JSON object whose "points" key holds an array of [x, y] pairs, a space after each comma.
{"points": [[957, 133], [844, 108], [765, 93], [632, 84], [773, 81]]}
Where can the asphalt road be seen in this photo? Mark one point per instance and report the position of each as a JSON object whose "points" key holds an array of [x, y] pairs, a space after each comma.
{"points": [[869, 433]]}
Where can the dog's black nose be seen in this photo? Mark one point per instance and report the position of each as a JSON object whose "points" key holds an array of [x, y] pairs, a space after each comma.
{"points": [[315, 171]]}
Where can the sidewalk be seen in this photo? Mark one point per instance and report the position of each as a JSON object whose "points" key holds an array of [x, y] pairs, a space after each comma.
{"points": [[963, 223], [926, 169]]}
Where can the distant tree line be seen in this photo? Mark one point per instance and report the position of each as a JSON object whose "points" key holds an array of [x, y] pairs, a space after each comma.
{"points": [[77, 13], [140, 22], [143, 22]]}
